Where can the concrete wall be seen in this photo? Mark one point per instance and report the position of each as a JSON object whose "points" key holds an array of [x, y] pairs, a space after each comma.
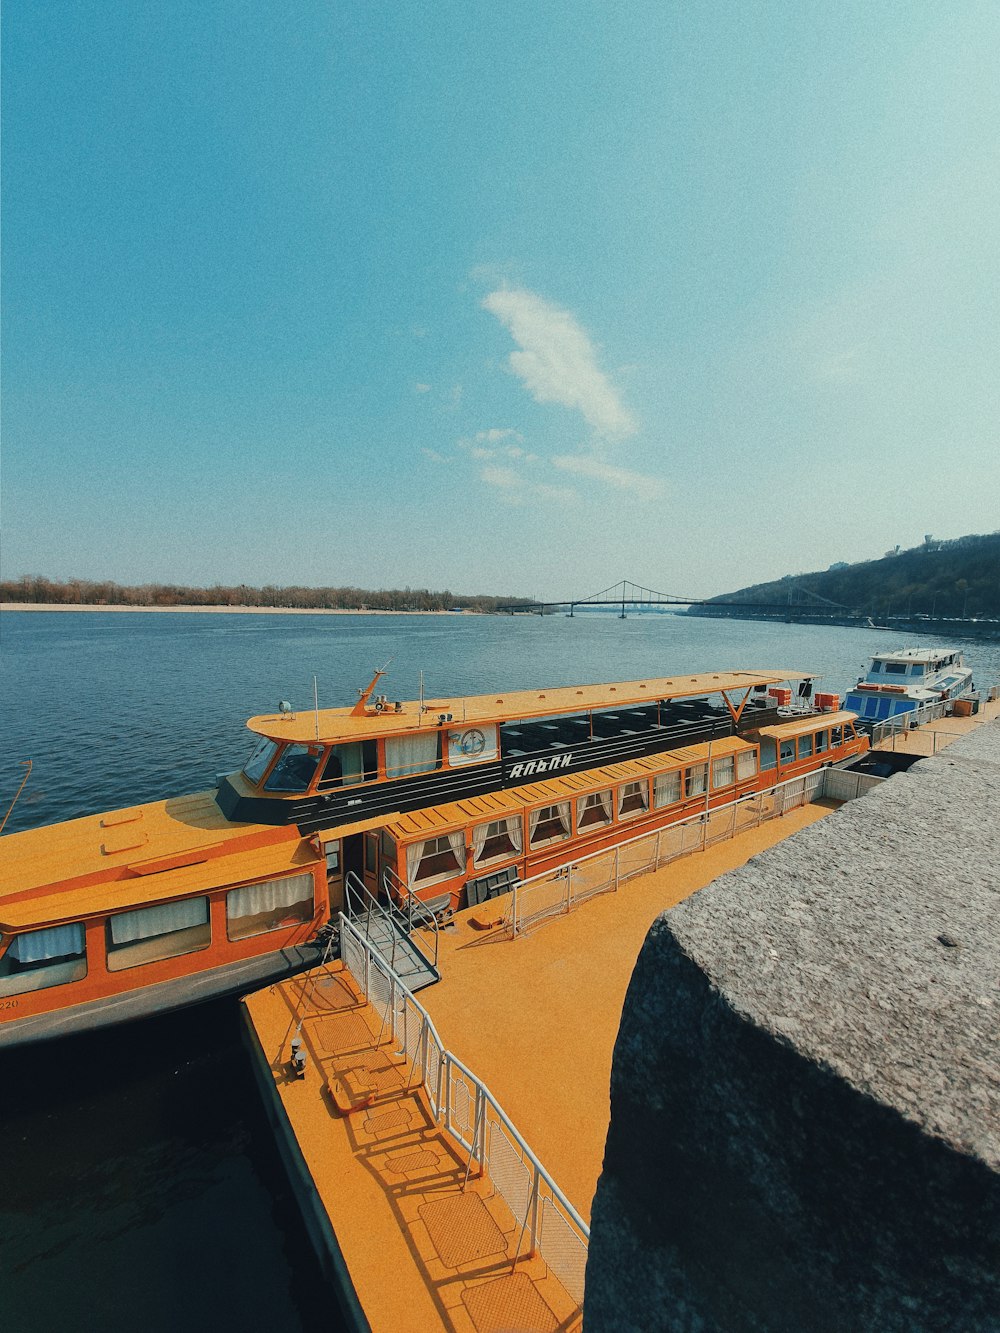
{"points": [[805, 1128]]}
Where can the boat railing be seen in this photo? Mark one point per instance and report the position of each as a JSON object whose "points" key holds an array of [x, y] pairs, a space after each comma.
{"points": [[361, 904], [416, 913], [881, 730], [547, 1223], [555, 892]]}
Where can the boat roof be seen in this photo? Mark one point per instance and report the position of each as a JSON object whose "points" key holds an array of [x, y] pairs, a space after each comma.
{"points": [[435, 820], [328, 725], [800, 726], [132, 845], [916, 655]]}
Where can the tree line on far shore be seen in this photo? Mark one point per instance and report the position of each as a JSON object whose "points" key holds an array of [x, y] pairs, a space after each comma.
{"points": [[88, 592]]}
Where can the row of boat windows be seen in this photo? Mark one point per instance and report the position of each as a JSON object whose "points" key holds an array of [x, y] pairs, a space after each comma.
{"points": [[55, 955], [502, 839], [897, 668], [802, 747], [342, 765]]}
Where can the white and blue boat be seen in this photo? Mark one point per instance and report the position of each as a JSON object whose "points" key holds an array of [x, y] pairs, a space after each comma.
{"points": [[909, 679]]}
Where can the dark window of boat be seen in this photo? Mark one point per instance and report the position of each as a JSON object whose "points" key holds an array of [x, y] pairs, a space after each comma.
{"points": [[594, 808], [256, 766], [39, 959], [805, 747], [768, 752], [256, 909], [495, 841], [371, 853], [836, 736], [667, 788], [549, 824], [294, 768], [388, 849], [439, 858], [876, 668], [822, 741], [695, 779], [150, 934], [345, 766], [787, 752], [333, 858], [895, 668], [633, 799]]}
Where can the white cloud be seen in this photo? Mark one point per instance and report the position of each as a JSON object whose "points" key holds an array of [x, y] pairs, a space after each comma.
{"points": [[486, 444], [516, 491], [556, 360], [421, 388], [585, 466], [434, 456]]}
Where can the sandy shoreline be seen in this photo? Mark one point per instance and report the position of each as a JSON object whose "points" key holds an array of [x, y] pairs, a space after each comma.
{"points": [[227, 610]]}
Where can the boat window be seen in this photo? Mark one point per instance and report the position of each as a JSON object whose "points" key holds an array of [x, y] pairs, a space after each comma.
{"points": [[256, 766], [150, 934], [549, 824], [917, 669], [633, 799], [333, 858], [255, 909], [836, 736], [294, 769], [787, 753], [498, 840], [724, 771], [871, 706], [695, 780], [437, 858], [746, 764], [822, 741], [876, 667], [768, 752], [895, 668], [805, 746], [371, 853], [406, 755], [39, 959], [344, 766], [667, 788], [594, 809]]}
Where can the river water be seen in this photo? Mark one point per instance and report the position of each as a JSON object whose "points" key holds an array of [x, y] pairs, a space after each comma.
{"points": [[138, 1182]]}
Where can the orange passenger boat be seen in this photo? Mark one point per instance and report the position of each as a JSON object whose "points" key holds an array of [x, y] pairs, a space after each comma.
{"points": [[443, 803]]}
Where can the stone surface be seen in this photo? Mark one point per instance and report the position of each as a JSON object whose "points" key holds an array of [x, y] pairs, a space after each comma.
{"points": [[805, 1125]]}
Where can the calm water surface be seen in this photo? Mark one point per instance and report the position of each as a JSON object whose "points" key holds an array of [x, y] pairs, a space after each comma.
{"points": [[139, 1183]]}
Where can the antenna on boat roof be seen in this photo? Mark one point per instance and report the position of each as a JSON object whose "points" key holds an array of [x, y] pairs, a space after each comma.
{"points": [[316, 705], [364, 695], [27, 775], [420, 710]]}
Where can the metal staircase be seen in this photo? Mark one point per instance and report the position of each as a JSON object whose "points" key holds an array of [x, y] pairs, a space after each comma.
{"points": [[389, 925]]}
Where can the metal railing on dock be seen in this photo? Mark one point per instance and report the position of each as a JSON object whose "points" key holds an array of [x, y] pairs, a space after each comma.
{"points": [[461, 1103]]}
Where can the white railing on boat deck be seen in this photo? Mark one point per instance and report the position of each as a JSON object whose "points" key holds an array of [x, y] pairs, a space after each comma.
{"points": [[546, 1221], [556, 891], [889, 728]]}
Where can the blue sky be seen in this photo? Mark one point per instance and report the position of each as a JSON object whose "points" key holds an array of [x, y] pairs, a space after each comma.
{"points": [[501, 297]]}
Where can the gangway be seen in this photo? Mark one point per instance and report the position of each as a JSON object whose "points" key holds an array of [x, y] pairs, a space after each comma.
{"points": [[389, 925]]}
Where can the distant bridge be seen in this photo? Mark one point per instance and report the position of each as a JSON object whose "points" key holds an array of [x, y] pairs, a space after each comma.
{"points": [[626, 595]]}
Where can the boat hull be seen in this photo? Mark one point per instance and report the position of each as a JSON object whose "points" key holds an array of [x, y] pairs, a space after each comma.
{"points": [[162, 997]]}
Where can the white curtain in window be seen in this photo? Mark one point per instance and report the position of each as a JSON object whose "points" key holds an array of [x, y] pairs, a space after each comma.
{"points": [[666, 788], [480, 833], [56, 942], [414, 855], [456, 842], [127, 927], [533, 817], [562, 812], [405, 755], [253, 899]]}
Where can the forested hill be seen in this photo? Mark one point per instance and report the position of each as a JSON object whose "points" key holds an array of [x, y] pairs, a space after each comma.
{"points": [[88, 592], [958, 578]]}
